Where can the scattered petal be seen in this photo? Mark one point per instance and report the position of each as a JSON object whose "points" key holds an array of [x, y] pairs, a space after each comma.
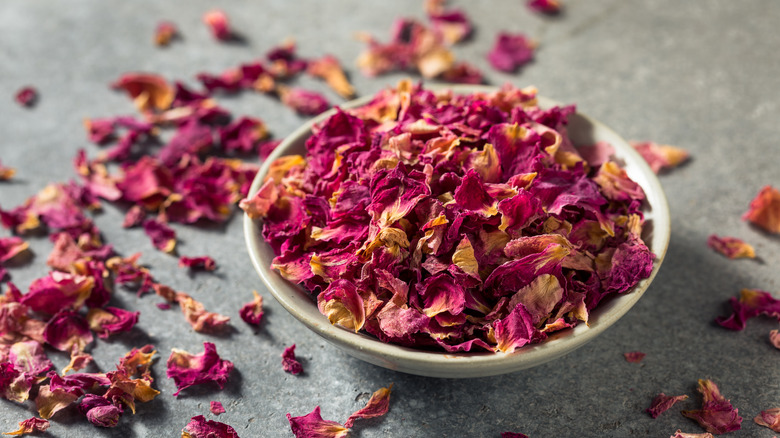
{"points": [[188, 369], [312, 425], [30, 425], [163, 237], [716, 415], [216, 408], [110, 320], [329, 69], [289, 362], [731, 247], [774, 338], [662, 402], [218, 23], [148, 91], [199, 427], [377, 406], [252, 312], [305, 102], [27, 96], [164, 33], [511, 51], [751, 303], [764, 210], [634, 356], [660, 156], [769, 418], [204, 263], [550, 7]]}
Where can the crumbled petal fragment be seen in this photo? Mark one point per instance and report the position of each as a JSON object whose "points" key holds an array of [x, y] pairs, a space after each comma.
{"points": [[164, 33], [252, 312], [769, 418], [199, 427], [681, 434], [197, 316], [550, 7], [30, 425], [774, 338], [216, 408], [511, 51], [6, 173], [377, 405], [662, 402], [751, 303], [26, 96], [289, 362], [204, 263], [187, 369], [312, 425], [218, 23], [513, 435], [731, 247], [163, 237], [660, 157], [764, 210], [634, 356], [716, 415]]}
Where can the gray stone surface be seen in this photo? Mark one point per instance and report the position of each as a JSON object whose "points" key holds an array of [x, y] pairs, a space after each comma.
{"points": [[700, 75]]}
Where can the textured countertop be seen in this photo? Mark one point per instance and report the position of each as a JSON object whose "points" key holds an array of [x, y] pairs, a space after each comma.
{"points": [[704, 76]]}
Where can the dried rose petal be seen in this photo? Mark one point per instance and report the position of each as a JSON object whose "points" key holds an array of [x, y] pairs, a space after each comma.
{"points": [[634, 356], [205, 263], [513, 435], [551, 7], [30, 425], [305, 102], [662, 402], [774, 338], [463, 73], [100, 411], [216, 408], [48, 402], [243, 135], [764, 210], [197, 316], [731, 247], [26, 96], [377, 405], [188, 369], [680, 434], [110, 320], [252, 312], [769, 418], [134, 217], [163, 237], [199, 427], [751, 303], [164, 33], [511, 51], [10, 247], [6, 173], [660, 156], [148, 91], [716, 415], [68, 331], [312, 425], [289, 362], [217, 21], [452, 26], [329, 69]]}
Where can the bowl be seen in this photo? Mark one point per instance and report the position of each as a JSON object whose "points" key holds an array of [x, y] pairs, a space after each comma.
{"points": [[582, 130]]}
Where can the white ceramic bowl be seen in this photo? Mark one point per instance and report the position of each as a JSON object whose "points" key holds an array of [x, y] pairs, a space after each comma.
{"points": [[583, 131]]}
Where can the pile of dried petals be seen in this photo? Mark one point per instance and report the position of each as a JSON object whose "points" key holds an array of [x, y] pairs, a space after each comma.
{"points": [[459, 222]]}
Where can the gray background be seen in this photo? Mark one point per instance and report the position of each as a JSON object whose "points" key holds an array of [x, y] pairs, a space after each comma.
{"points": [[701, 75]]}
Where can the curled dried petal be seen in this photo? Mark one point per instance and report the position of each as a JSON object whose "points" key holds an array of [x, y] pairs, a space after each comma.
{"points": [[511, 51], [312, 425], [30, 425], [252, 312], [764, 210], [164, 33], [148, 91], [662, 402], [26, 96], [377, 405], [187, 369], [634, 356], [218, 23], [289, 362], [199, 427], [731, 247]]}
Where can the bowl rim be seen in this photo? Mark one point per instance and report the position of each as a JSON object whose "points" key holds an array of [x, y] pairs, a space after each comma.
{"points": [[462, 364]]}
